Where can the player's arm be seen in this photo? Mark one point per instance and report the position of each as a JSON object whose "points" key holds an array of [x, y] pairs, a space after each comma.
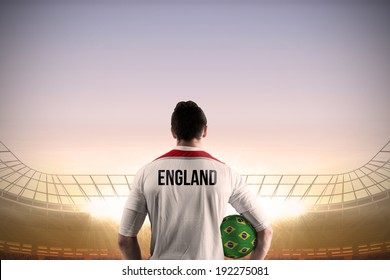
{"points": [[264, 232], [242, 200], [129, 227], [129, 247], [263, 242]]}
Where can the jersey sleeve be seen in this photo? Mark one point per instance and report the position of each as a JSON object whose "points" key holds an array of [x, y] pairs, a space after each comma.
{"points": [[131, 222], [241, 198], [257, 218], [136, 199], [245, 203]]}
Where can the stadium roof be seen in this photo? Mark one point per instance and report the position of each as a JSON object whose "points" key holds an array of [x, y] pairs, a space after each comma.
{"points": [[323, 192]]}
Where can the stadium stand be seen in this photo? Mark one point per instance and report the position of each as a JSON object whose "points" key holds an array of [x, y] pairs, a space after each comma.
{"points": [[44, 216]]}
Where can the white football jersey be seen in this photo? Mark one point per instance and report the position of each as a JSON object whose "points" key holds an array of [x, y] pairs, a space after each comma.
{"points": [[185, 193]]}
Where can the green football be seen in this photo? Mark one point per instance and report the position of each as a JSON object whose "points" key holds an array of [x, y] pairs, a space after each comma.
{"points": [[238, 236]]}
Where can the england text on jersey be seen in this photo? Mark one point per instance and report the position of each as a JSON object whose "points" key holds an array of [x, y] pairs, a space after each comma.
{"points": [[187, 177]]}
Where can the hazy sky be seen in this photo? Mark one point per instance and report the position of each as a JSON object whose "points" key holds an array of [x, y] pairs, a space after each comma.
{"points": [[288, 87]]}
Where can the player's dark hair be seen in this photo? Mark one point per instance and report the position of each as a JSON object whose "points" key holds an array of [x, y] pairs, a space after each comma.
{"points": [[188, 121]]}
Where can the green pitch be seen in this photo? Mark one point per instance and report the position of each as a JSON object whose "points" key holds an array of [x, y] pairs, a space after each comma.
{"points": [[238, 236]]}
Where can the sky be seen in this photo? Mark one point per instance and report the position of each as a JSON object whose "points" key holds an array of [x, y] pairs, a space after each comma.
{"points": [[288, 87]]}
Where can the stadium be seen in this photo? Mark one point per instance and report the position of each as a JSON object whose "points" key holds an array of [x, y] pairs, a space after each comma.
{"points": [[325, 216]]}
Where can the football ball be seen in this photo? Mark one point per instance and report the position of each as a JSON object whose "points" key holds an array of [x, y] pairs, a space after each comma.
{"points": [[238, 236]]}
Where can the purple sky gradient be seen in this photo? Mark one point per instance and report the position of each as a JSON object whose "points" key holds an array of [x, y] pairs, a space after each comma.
{"points": [[287, 88]]}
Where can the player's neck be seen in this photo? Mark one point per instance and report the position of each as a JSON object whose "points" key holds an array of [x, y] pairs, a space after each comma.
{"points": [[192, 143]]}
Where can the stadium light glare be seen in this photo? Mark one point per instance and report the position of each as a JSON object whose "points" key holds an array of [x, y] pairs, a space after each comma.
{"points": [[105, 209], [279, 209], [276, 209]]}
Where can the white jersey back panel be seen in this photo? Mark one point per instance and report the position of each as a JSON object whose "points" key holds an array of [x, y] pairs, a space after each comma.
{"points": [[185, 193]]}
